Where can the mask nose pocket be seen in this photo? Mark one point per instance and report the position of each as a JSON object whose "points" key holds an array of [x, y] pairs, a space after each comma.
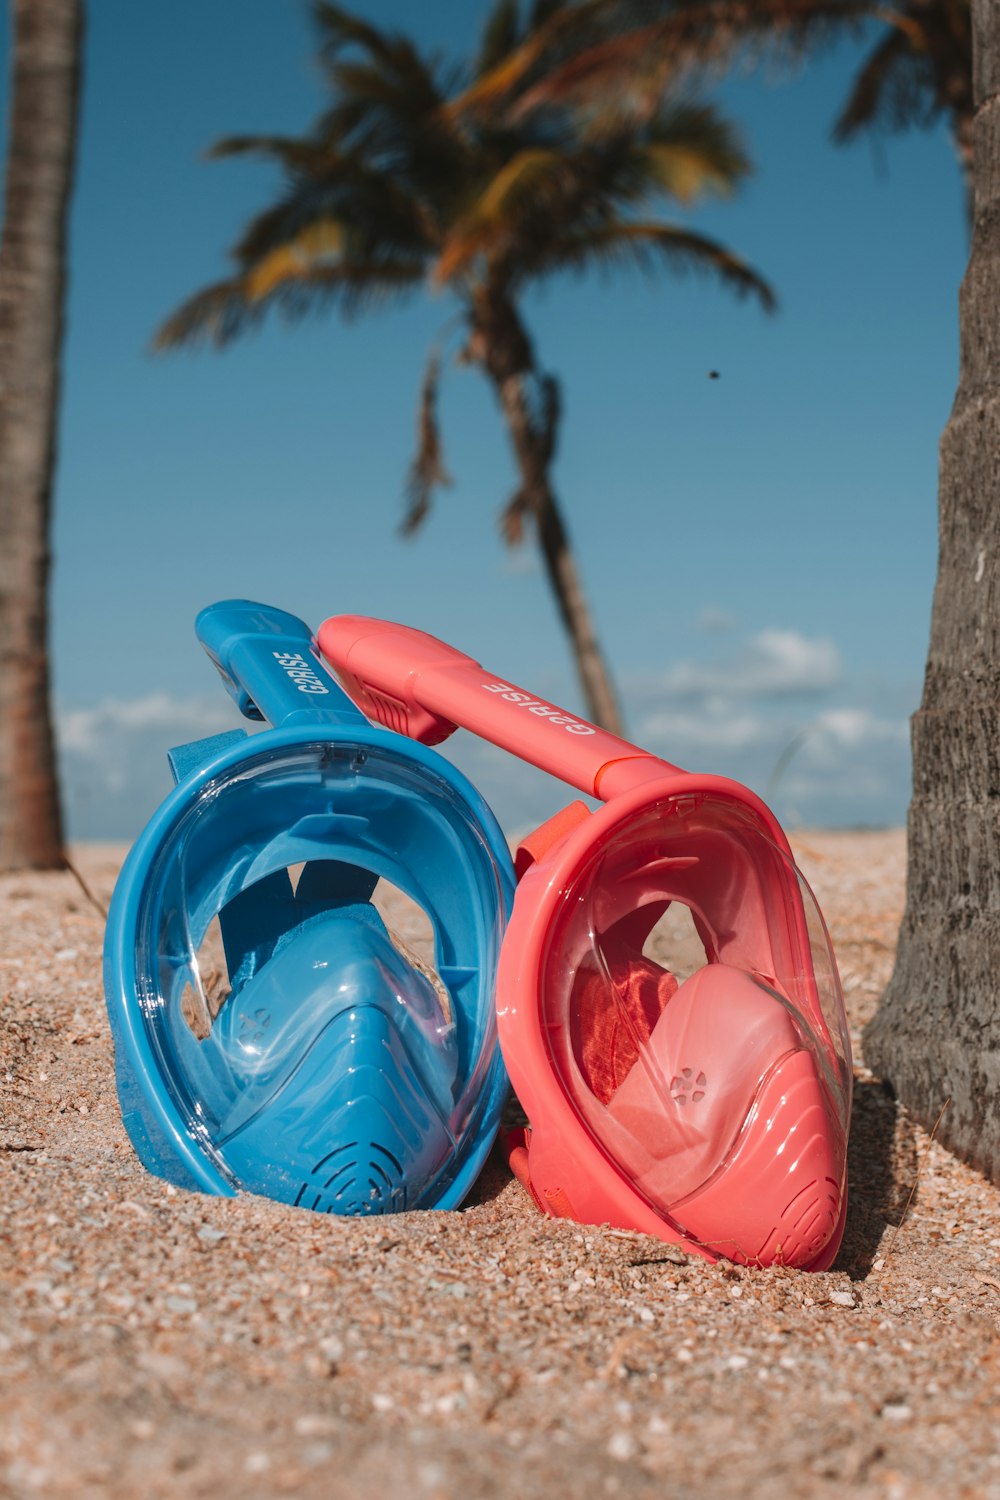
{"points": [[376, 1131], [723, 1118], [686, 1097], [337, 1062]]}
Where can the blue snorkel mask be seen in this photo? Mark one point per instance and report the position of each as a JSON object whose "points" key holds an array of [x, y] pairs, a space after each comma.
{"points": [[310, 1056]]}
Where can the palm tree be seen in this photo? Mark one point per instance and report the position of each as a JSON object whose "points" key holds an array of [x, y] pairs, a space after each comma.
{"points": [[917, 69], [45, 68], [392, 192]]}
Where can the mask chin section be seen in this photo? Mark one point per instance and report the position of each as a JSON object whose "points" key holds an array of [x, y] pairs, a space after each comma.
{"points": [[723, 1120], [783, 1183], [335, 1049], [354, 1130]]}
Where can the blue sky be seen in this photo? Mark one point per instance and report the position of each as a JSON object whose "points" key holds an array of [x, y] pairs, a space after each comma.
{"points": [[759, 549]]}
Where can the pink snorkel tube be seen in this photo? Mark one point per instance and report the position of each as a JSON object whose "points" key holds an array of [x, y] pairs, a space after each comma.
{"points": [[710, 1110]]}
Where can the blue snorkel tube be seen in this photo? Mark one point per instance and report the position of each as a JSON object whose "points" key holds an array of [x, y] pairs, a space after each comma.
{"points": [[271, 1035]]}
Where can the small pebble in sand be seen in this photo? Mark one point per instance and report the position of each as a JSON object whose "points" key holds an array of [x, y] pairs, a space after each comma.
{"points": [[843, 1299]]}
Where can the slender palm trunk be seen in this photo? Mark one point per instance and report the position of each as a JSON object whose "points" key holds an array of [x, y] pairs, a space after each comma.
{"points": [[501, 346], [46, 52], [936, 1036]]}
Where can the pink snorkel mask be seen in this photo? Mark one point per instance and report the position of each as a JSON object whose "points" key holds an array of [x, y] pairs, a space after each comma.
{"points": [[668, 1003]]}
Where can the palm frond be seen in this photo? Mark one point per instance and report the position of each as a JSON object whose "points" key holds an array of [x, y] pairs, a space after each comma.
{"points": [[500, 37], [542, 12], [350, 290], [216, 315], [393, 122], [292, 152], [544, 413], [376, 209], [641, 47], [222, 312], [339, 28], [683, 172], [427, 471], [321, 242], [393, 74], [387, 98], [555, 27], [919, 70], [689, 149], [513, 515], [532, 177], [645, 246], [620, 77], [492, 88], [547, 191], [889, 90], [619, 62]]}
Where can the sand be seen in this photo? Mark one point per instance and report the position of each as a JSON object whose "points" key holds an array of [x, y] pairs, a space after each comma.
{"points": [[159, 1343]]}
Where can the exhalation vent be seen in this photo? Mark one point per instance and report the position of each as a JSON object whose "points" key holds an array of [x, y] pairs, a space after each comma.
{"points": [[356, 1182]]}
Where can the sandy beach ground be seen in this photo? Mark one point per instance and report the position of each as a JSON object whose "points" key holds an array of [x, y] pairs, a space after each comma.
{"points": [[159, 1343]]}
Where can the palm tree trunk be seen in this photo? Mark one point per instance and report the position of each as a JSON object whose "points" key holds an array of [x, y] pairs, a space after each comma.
{"points": [[936, 1036], [962, 135], [500, 344], [45, 65]]}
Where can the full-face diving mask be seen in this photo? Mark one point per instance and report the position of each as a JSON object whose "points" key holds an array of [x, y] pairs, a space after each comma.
{"points": [[271, 1033], [668, 1002]]}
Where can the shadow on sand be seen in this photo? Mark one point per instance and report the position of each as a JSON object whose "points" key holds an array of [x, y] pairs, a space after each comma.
{"points": [[882, 1170], [881, 1173]]}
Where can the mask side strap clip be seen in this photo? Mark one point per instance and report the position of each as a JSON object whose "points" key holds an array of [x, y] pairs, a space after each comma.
{"points": [[552, 1201], [516, 1145], [185, 759], [537, 844]]}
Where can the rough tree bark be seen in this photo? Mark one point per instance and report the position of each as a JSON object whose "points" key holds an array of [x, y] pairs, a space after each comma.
{"points": [[40, 159], [499, 343], [936, 1036]]}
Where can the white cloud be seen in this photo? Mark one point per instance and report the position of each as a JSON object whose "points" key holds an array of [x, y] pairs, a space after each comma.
{"points": [[775, 662], [88, 730], [858, 726], [716, 727], [778, 713], [113, 756]]}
